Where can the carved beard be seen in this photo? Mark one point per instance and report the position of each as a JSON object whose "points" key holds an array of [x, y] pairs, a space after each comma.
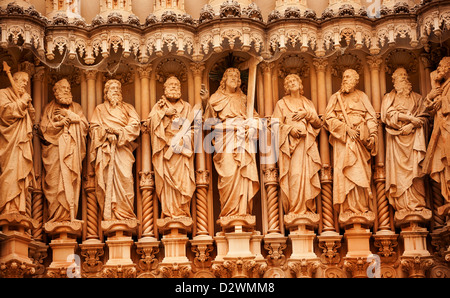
{"points": [[21, 90], [114, 99], [346, 87], [172, 94], [64, 99], [403, 86]]}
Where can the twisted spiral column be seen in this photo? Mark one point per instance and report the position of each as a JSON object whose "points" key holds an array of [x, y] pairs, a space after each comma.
{"points": [[438, 201], [327, 199], [202, 181], [382, 201], [38, 214], [91, 208], [147, 187], [271, 185]]}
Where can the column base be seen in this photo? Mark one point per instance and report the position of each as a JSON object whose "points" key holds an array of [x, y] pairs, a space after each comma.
{"points": [[330, 242]]}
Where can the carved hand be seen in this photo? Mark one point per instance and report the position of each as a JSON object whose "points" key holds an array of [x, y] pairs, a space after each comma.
{"points": [[407, 129], [352, 133], [299, 115], [416, 121], [370, 143], [296, 133], [204, 93], [112, 131], [112, 138], [434, 92]]}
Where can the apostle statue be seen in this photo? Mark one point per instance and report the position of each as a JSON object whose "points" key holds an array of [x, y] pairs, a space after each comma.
{"points": [[64, 128], [437, 159], [115, 125], [234, 157], [404, 114], [16, 147], [299, 160], [352, 123], [172, 151]]}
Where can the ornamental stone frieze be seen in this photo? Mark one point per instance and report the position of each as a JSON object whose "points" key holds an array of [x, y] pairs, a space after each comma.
{"points": [[117, 29]]}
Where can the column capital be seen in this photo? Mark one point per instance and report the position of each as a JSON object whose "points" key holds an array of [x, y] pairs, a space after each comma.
{"points": [[145, 71], [39, 73], [27, 67], [197, 68], [90, 74], [374, 62], [267, 66], [320, 64]]}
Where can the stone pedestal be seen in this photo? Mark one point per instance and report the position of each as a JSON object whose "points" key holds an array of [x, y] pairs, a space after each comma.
{"points": [[301, 227], [303, 262], [175, 238], [238, 248], [238, 231], [119, 244], [64, 243], [413, 234], [357, 233], [14, 245]]}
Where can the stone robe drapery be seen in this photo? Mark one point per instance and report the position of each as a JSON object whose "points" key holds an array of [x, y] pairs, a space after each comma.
{"points": [[16, 151], [235, 159], [175, 177], [125, 119], [299, 160], [437, 159], [404, 153], [352, 171], [62, 158]]}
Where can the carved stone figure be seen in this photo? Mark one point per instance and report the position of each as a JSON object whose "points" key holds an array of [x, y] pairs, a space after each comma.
{"points": [[173, 165], [404, 113], [16, 147], [234, 159], [351, 121], [115, 125], [64, 128], [299, 159], [437, 160]]}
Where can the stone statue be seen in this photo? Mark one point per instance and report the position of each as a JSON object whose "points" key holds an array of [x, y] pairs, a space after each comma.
{"points": [[234, 159], [64, 128], [404, 114], [174, 171], [352, 123], [16, 146], [115, 125], [437, 158], [299, 159]]}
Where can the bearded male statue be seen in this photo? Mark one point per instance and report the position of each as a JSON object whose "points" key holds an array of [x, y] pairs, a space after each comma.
{"points": [[64, 128], [404, 114], [351, 121], [174, 174], [115, 125]]}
